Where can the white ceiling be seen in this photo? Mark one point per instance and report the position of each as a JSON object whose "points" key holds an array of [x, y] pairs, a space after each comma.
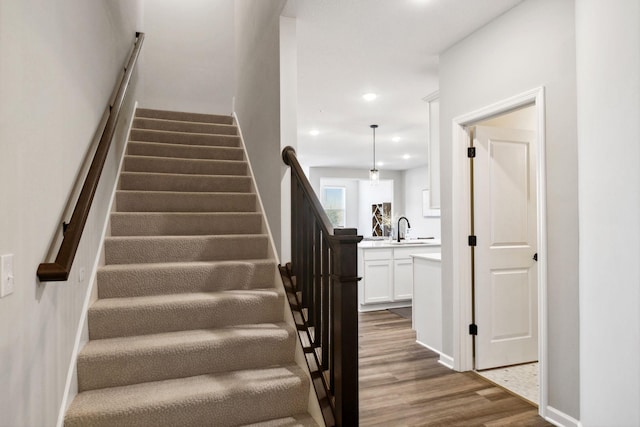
{"points": [[347, 48]]}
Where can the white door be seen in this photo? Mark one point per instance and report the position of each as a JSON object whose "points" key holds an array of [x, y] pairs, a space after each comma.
{"points": [[506, 279]]}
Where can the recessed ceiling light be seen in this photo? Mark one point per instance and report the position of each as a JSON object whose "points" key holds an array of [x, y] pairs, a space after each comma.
{"points": [[396, 139], [380, 163], [369, 96], [406, 157], [314, 132]]}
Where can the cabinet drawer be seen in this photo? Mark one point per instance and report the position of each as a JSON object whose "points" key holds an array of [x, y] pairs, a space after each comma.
{"points": [[374, 254]]}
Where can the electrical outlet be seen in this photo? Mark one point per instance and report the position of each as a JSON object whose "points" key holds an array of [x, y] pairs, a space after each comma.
{"points": [[6, 275]]}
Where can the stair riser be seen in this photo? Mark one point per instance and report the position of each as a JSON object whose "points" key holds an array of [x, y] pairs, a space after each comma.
{"points": [[136, 250], [139, 281], [184, 151], [147, 181], [178, 126], [269, 398], [184, 138], [184, 202], [220, 353], [246, 308], [170, 224], [184, 166], [186, 117]]}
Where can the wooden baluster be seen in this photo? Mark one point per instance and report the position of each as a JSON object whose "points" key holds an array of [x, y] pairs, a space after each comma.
{"points": [[295, 223], [325, 303], [307, 270], [317, 284]]}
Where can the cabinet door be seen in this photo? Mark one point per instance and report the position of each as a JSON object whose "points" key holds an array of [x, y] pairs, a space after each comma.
{"points": [[403, 279], [378, 276]]}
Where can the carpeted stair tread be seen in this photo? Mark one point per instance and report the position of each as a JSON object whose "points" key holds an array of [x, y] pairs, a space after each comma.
{"points": [[182, 126], [122, 361], [124, 317], [184, 223], [299, 420], [132, 280], [184, 116], [226, 399], [184, 166], [169, 201], [150, 181], [182, 151], [152, 249], [188, 138]]}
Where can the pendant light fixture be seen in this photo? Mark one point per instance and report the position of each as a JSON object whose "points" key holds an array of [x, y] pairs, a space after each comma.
{"points": [[374, 174]]}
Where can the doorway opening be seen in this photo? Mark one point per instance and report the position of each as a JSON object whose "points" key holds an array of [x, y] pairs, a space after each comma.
{"points": [[504, 271], [475, 313]]}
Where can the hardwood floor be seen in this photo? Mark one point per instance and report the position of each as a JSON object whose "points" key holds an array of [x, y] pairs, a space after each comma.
{"points": [[402, 384]]}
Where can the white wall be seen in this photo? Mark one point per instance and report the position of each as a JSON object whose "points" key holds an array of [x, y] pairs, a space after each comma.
{"points": [[529, 46], [288, 121], [257, 94], [189, 57], [415, 180], [608, 70], [58, 68]]}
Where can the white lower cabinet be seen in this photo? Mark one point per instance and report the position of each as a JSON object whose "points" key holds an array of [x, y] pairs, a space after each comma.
{"points": [[387, 276], [379, 275], [402, 279]]}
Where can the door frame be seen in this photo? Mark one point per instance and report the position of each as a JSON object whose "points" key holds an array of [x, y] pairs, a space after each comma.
{"points": [[461, 217]]}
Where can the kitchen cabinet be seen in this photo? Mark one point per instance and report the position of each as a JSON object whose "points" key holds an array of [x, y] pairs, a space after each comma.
{"points": [[378, 269], [386, 269]]}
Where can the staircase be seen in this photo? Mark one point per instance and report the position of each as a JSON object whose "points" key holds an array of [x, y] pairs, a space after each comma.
{"points": [[188, 328]]}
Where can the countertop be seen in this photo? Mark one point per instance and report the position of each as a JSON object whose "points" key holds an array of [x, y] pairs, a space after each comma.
{"points": [[370, 244], [429, 257]]}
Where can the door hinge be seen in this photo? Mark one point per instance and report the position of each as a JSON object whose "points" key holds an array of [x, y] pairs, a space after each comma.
{"points": [[535, 256], [473, 329], [472, 240], [471, 152]]}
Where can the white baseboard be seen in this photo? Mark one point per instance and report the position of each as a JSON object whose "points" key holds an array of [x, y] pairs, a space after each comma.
{"points": [[364, 308], [444, 360], [561, 419]]}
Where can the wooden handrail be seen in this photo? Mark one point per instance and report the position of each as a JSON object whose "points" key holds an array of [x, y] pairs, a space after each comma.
{"points": [[291, 160], [59, 270], [321, 283]]}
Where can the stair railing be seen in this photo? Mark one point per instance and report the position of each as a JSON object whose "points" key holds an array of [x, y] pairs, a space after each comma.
{"points": [[322, 286], [59, 270]]}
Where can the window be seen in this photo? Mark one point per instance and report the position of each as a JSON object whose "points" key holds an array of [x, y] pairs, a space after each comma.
{"points": [[334, 203]]}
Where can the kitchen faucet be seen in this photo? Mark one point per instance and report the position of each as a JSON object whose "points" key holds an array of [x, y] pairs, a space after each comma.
{"points": [[408, 225]]}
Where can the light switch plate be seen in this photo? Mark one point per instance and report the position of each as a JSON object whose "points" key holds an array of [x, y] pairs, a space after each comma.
{"points": [[6, 275]]}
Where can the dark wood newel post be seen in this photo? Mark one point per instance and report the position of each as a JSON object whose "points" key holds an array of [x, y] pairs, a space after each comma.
{"points": [[345, 298]]}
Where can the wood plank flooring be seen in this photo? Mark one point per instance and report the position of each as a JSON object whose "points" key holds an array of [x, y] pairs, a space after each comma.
{"points": [[402, 384]]}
